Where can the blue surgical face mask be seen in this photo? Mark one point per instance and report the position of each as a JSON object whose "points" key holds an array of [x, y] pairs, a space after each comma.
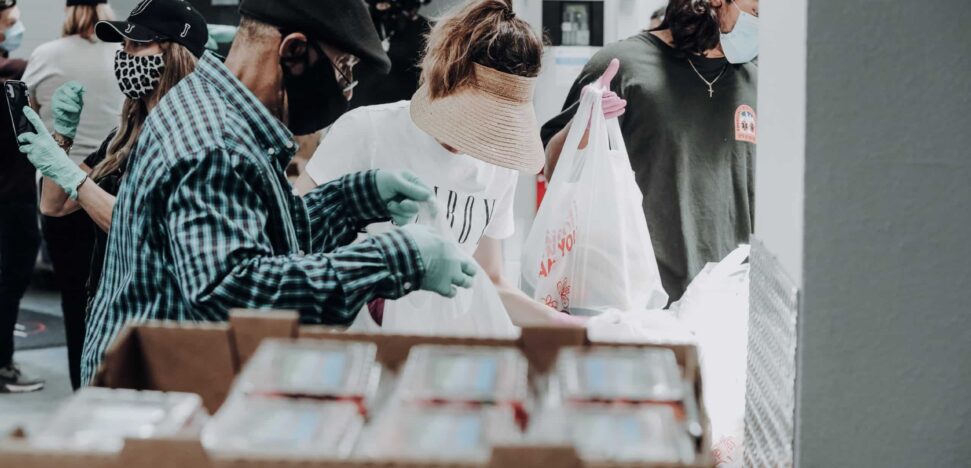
{"points": [[13, 37], [741, 44]]}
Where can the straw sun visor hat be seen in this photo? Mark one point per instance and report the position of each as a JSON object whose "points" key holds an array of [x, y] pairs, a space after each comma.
{"points": [[491, 120]]}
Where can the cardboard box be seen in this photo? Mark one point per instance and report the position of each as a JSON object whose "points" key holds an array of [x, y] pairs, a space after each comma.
{"points": [[205, 358]]}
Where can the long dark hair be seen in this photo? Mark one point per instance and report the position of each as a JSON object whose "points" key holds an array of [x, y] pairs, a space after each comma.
{"points": [[693, 24]]}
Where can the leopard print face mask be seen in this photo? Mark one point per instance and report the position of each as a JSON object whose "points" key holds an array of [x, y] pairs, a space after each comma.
{"points": [[138, 75]]}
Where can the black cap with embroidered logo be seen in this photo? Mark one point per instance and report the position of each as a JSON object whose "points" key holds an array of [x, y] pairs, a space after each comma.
{"points": [[71, 3], [159, 20], [4, 4], [344, 24]]}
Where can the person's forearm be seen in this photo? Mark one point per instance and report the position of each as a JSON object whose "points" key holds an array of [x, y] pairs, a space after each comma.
{"points": [[54, 201], [555, 147], [522, 309], [98, 203], [340, 208], [325, 288]]}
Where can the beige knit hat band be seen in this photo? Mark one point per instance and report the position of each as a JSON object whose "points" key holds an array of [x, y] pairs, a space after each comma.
{"points": [[518, 89]]}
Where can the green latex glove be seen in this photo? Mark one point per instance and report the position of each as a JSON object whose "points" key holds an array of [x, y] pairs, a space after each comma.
{"points": [[66, 105], [401, 191], [48, 158], [447, 268], [222, 33], [211, 44]]}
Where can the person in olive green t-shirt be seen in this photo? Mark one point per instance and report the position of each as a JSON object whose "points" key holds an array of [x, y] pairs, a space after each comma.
{"points": [[690, 129]]}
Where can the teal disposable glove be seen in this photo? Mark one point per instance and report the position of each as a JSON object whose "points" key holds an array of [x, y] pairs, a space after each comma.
{"points": [[48, 158], [446, 266], [401, 191], [66, 105], [222, 33]]}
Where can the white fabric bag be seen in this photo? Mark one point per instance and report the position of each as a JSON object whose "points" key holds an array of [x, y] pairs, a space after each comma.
{"points": [[476, 311], [589, 249]]}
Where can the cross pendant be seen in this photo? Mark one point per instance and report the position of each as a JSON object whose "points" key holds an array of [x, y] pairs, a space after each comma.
{"points": [[711, 91]]}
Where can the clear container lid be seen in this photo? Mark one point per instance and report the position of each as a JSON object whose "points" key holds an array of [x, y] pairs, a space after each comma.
{"points": [[437, 432], [642, 433], [100, 419], [255, 426], [480, 374], [311, 368], [619, 373]]}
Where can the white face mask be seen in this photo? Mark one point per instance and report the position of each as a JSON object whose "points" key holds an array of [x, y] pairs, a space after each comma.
{"points": [[741, 44]]}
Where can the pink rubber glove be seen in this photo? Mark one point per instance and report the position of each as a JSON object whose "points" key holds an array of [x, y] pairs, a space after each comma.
{"points": [[613, 105]]}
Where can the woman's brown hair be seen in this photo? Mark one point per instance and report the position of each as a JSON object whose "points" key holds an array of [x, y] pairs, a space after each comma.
{"points": [[486, 32], [81, 19], [179, 63]]}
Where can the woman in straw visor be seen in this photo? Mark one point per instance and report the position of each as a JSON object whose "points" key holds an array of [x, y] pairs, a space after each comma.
{"points": [[468, 131]]}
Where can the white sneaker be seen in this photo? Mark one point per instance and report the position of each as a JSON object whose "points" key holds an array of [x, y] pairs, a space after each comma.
{"points": [[12, 380]]}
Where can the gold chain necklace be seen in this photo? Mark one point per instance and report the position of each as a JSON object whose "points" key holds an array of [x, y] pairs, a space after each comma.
{"points": [[711, 84]]}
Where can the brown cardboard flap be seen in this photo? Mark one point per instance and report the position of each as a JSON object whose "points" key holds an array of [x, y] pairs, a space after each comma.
{"points": [[393, 349], [541, 344], [122, 366], [18, 454], [164, 453], [534, 457], [252, 327], [189, 358], [204, 359]]}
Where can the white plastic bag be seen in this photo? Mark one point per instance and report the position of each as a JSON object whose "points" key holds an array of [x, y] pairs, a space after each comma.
{"points": [[715, 308], [589, 249], [476, 311], [644, 326]]}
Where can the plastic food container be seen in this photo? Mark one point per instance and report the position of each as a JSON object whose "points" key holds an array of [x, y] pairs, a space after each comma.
{"points": [[464, 374], [320, 369], [255, 426], [643, 434], [615, 374], [100, 419], [437, 433]]}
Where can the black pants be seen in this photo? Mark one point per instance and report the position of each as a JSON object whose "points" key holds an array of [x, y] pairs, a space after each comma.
{"points": [[19, 240], [70, 240]]}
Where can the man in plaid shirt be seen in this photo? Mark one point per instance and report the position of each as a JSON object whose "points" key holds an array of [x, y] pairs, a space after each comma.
{"points": [[206, 220]]}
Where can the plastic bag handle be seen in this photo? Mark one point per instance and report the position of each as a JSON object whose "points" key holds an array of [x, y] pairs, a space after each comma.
{"points": [[590, 106], [615, 136]]}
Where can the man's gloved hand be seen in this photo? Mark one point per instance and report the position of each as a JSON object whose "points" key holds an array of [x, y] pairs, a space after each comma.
{"points": [[401, 191], [446, 266], [66, 105], [222, 33], [613, 105], [48, 158]]}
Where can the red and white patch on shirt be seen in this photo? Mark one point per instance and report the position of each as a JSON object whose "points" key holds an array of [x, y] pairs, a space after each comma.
{"points": [[745, 129]]}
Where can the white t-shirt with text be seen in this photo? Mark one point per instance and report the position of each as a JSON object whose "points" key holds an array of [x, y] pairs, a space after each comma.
{"points": [[477, 196]]}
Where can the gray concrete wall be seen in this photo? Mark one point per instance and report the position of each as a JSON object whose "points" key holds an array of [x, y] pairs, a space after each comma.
{"points": [[782, 136], [885, 377]]}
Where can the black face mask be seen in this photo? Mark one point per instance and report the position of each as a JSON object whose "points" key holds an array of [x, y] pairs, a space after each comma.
{"points": [[315, 99]]}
